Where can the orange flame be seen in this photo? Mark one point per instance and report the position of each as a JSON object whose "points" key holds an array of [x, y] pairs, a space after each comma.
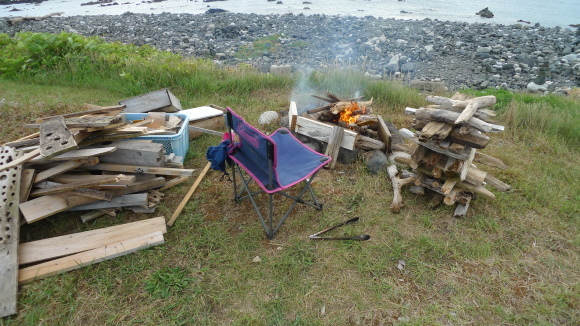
{"points": [[351, 113]]}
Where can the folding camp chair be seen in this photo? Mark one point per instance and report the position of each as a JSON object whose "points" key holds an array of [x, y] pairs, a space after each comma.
{"points": [[276, 163]]}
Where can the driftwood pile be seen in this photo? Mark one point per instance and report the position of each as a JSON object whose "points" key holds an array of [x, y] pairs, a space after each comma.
{"points": [[78, 162], [349, 124], [443, 150]]}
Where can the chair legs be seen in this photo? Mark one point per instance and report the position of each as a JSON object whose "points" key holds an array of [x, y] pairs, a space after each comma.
{"points": [[270, 226]]}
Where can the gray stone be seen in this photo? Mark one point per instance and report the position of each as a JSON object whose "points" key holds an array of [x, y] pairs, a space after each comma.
{"points": [[268, 117], [408, 67], [280, 70], [376, 161], [346, 156], [533, 87]]}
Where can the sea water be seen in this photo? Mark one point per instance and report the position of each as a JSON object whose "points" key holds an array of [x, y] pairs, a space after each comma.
{"points": [[549, 13]]}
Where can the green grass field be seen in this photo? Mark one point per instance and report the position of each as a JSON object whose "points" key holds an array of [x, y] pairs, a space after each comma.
{"points": [[513, 261]]}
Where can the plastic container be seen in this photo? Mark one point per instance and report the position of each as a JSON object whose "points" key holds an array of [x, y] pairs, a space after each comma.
{"points": [[178, 143]]}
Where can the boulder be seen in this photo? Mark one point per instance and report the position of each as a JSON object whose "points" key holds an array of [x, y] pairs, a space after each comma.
{"points": [[533, 87], [485, 13], [268, 117]]}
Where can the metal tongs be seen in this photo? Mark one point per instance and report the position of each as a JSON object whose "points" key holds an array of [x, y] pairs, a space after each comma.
{"points": [[362, 237]]}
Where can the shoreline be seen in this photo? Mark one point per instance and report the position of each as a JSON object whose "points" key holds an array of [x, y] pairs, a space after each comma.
{"points": [[479, 55]]}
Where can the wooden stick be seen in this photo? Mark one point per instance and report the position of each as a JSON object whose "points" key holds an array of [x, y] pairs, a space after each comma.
{"points": [[188, 195], [398, 183]]}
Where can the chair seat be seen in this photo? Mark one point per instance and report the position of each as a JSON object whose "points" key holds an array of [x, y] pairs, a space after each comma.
{"points": [[294, 162]]}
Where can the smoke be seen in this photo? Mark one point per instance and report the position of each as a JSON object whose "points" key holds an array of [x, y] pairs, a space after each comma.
{"points": [[303, 91]]}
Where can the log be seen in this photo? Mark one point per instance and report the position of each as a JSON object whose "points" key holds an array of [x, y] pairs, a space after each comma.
{"points": [[321, 131], [497, 184], [343, 105], [436, 200], [436, 147], [489, 161], [370, 144], [472, 106], [448, 116], [333, 146], [397, 185], [483, 114], [17, 20]]}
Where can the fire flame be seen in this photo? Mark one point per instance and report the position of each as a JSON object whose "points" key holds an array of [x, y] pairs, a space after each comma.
{"points": [[351, 113]]}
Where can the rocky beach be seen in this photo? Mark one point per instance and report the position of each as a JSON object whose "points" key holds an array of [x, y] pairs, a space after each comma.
{"points": [[516, 57]]}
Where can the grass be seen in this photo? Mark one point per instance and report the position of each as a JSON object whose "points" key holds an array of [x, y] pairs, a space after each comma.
{"points": [[513, 261]]}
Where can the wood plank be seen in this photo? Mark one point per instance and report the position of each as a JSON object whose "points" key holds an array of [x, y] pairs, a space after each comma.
{"points": [[208, 126], [195, 129], [78, 154], [73, 186], [45, 206], [93, 109], [121, 179], [430, 129], [62, 168], [321, 131], [140, 169], [158, 120], [9, 233], [292, 115], [90, 216], [140, 186], [35, 251], [20, 160], [188, 195], [26, 181], [333, 146], [135, 152], [385, 134], [174, 182], [121, 201], [55, 138], [90, 257]]}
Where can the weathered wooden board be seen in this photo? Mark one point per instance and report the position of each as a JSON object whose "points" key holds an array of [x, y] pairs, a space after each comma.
{"points": [[9, 232], [45, 206], [161, 100], [121, 201], [322, 132], [55, 138], [334, 145], [26, 180], [51, 248], [385, 134], [78, 154], [72, 186], [90, 257], [199, 127], [135, 152], [62, 168], [139, 169], [20, 160]]}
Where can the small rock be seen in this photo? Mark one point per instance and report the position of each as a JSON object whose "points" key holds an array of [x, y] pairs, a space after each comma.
{"points": [[268, 117], [533, 87], [376, 161], [257, 259], [485, 13]]}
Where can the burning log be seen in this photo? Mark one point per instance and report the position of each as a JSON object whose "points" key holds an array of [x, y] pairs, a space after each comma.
{"points": [[349, 105]]}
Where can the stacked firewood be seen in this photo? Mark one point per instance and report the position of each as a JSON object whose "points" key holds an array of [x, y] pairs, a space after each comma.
{"points": [[443, 150]]}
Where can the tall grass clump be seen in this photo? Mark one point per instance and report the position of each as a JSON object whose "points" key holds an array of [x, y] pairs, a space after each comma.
{"points": [[89, 62], [351, 82]]}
